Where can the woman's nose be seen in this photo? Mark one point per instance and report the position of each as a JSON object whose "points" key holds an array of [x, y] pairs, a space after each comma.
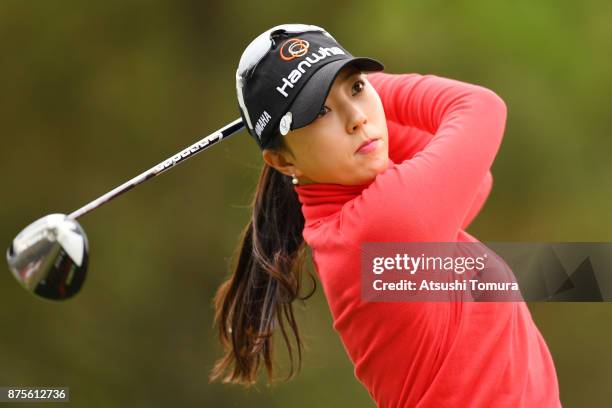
{"points": [[356, 119]]}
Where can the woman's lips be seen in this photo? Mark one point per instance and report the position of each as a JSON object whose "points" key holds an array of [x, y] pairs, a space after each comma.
{"points": [[368, 147]]}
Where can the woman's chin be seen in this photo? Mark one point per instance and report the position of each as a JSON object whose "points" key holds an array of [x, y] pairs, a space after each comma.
{"points": [[374, 170], [379, 164]]}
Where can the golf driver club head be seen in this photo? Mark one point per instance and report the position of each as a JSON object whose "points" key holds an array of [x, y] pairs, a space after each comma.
{"points": [[49, 257]]}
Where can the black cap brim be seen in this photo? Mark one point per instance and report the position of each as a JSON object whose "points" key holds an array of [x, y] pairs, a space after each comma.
{"points": [[308, 103]]}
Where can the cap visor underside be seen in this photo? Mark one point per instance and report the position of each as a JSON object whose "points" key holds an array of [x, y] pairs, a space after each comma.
{"points": [[309, 101]]}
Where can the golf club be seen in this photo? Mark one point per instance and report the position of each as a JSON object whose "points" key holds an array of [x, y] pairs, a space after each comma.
{"points": [[50, 256]]}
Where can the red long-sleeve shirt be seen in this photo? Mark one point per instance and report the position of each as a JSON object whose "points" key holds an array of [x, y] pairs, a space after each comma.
{"points": [[443, 137]]}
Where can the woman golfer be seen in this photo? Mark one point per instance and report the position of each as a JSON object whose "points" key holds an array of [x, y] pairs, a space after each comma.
{"points": [[356, 155]]}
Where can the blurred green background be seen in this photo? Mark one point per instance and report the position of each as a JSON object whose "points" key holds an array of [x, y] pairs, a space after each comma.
{"points": [[93, 93]]}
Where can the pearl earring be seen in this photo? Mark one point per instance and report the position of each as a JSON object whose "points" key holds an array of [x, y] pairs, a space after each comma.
{"points": [[294, 180]]}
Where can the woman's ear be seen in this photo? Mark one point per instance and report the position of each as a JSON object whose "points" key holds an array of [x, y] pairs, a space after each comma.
{"points": [[281, 161]]}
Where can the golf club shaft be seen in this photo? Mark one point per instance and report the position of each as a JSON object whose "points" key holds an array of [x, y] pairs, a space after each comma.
{"points": [[221, 134]]}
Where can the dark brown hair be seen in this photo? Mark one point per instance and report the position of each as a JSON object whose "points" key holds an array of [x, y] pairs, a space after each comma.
{"points": [[259, 294]]}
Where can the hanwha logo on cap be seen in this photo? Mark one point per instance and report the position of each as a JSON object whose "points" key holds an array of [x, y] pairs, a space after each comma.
{"points": [[293, 48], [285, 123]]}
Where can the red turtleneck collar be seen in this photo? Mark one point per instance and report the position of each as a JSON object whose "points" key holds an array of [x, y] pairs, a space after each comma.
{"points": [[320, 200]]}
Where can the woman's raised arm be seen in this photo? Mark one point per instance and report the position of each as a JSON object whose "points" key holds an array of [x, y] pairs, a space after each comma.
{"points": [[405, 141], [429, 197]]}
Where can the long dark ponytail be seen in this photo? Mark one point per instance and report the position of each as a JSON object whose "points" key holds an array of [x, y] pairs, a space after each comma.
{"points": [[264, 283]]}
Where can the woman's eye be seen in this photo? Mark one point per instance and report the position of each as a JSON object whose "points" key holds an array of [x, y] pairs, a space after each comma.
{"points": [[358, 86], [323, 111]]}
